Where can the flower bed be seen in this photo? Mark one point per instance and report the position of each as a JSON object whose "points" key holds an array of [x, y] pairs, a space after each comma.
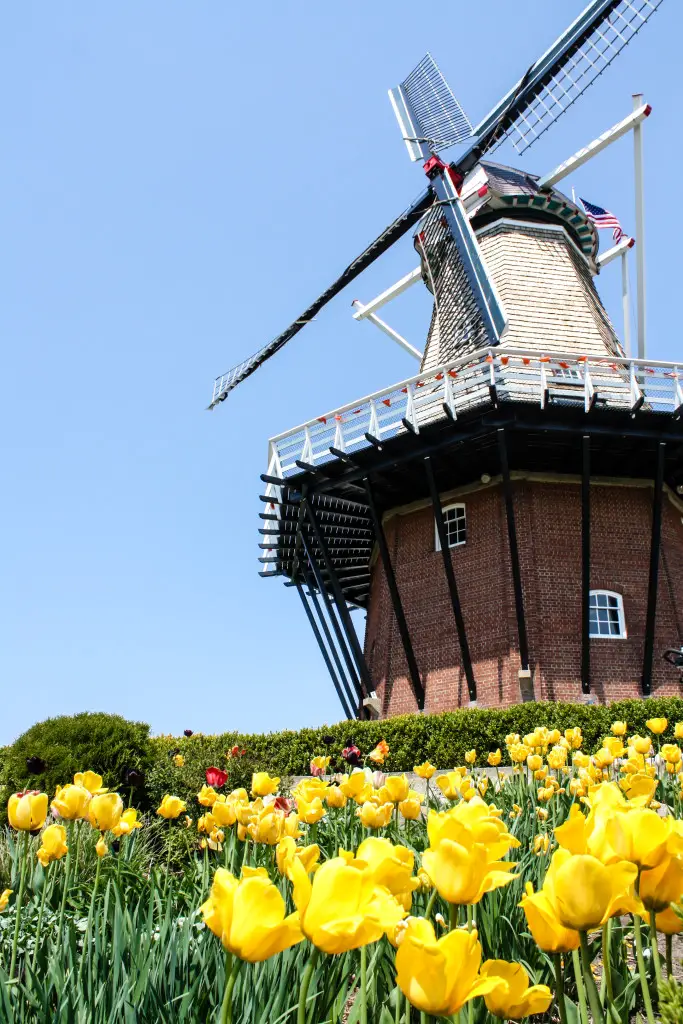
{"points": [[353, 897]]}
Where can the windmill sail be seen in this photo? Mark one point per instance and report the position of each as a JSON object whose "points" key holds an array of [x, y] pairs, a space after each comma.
{"points": [[561, 75], [224, 384], [429, 116]]}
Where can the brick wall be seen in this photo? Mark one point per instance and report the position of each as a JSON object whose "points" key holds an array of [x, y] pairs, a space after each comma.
{"points": [[548, 516]]}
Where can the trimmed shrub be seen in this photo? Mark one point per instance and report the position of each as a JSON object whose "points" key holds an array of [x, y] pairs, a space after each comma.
{"points": [[107, 744], [442, 739]]}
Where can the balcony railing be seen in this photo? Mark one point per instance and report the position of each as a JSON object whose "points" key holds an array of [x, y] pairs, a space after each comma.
{"points": [[478, 380]]}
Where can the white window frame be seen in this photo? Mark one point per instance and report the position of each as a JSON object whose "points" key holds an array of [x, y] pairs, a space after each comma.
{"points": [[622, 634], [444, 509]]}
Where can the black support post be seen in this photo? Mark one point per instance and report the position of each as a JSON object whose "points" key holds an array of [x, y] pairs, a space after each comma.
{"points": [[321, 645], [340, 601], [655, 545], [338, 631], [416, 682], [452, 585], [585, 564], [514, 550], [351, 694]]}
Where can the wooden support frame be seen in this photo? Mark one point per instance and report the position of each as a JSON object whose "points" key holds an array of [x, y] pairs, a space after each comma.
{"points": [[390, 576], [340, 601], [585, 563], [323, 651], [655, 548], [338, 631], [350, 690], [514, 550], [452, 585]]}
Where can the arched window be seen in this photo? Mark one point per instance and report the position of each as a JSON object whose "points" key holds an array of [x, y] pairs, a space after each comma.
{"points": [[606, 614], [455, 521]]}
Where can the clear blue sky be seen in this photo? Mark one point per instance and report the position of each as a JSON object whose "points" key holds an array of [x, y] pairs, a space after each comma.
{"points": [[178, 182]]}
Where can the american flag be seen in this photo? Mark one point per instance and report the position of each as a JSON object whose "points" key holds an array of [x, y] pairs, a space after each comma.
{"points": [[603, 219]]}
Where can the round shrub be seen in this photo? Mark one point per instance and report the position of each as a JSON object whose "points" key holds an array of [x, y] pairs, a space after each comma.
{"points": [[51, 752]]}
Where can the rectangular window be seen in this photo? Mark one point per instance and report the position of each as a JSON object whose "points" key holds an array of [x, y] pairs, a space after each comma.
{"points": [[606, 614], [455, 521]]}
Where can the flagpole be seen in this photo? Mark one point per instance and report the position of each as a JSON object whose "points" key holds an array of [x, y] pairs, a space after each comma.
{"points": [[640, 226]]}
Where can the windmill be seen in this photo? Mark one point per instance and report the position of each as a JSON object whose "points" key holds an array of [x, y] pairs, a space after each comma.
{"points": [[525, 403]]}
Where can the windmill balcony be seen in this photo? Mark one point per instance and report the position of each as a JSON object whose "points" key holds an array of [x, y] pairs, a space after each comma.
{"points": [[486, 378]]}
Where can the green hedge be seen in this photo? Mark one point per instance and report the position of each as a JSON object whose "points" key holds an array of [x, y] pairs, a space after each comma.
{"points": [[109, 745]]}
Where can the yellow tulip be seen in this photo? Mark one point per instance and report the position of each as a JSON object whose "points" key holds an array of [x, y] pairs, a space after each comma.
{"points": [[224, 812], [541, 843], [179, 761], [411, 807], [128, 823], [335, 798], [309, 788], [450, 785], [667, 921], [390, 866], [614, 745], [474, 822], [662, 885], [639, 836], [320, 763], [573, 737], [657, 725], [249, 915], [439, 976], [671, 753], [619, 728], [512, 737], [375, 817], [587, 893], [171, 807], [396, 787], [354, 784], [27, 811], [105, 810], [343, 907], [425, 770], [267, 827], [548, 933], [90, 781], [311, 812], [4, 898], [471, 756], [207, 796], [494, 758], [641, 744], [534, 762], [463, 874], [101, 847], [263, 785], [52, 844], [678, 731], [308, 855], [514, 998], [292, 826], [71, 802], [518, 753]]}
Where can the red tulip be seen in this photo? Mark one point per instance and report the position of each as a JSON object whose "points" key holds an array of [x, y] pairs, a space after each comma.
{"points": [[237, 751], [281, 803], [216, 777]]}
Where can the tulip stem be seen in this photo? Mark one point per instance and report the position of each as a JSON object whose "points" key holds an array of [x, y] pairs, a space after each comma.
{"points": [[591, 987], [606, 961], [363, 985], [20, 900], [430, 902], [655, 947], [305, 983], [39, 926], [669, 955], [231, 973], [67, 873], [559, 987], [641, 969], [580, 986]]}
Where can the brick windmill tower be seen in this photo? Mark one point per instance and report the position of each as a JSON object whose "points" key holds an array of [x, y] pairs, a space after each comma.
{"points": [[510, 518]]}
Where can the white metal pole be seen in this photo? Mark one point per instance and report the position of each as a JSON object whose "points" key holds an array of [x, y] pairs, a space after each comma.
{"points": [[625, 301], [640, 227]]}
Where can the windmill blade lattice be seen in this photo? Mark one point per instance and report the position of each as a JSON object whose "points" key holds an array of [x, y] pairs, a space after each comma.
{"points": [[562, 74], [430, 117]]}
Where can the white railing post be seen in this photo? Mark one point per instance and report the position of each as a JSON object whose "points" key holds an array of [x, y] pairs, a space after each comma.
{"points": [[411, 415], [448, 395], [339, 435], [374, 427], [637, 397], [678, 395], [544, 386], [588, 390], [307, 451]]}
